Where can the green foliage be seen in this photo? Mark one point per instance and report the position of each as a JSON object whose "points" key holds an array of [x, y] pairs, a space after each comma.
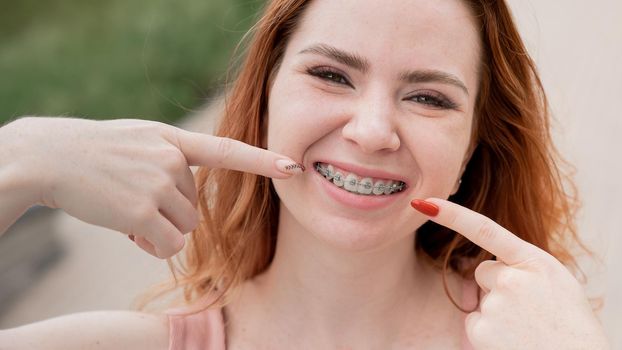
{"points": [[116, 59]]}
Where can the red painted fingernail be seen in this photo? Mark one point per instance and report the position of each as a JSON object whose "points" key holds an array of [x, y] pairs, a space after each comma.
{"points": [[424, 207], [131, 237]]}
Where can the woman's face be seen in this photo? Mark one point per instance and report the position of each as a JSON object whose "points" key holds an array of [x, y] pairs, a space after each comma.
{"points": [[380, 90]]}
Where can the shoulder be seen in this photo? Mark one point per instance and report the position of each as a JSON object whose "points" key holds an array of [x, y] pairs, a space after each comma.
{"points": [[91, 330]]}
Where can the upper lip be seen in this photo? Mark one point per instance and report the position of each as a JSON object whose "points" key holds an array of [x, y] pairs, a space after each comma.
{"points": [[362, 171]]}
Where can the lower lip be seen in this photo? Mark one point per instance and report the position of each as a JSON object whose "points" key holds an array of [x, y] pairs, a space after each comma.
{"points": [[365, 202]]}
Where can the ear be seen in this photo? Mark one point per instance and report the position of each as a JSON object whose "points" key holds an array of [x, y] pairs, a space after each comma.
{"points": [[465, 162]]}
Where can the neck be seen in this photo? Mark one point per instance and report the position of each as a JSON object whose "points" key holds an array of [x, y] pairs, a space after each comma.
{"points": [[333, 296], [333, 281]]}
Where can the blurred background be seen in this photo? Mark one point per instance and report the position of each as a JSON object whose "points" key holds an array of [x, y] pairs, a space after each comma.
{"points": [[166, 60], [109, 59]]}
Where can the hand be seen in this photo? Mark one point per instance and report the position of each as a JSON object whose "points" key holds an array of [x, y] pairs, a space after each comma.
{"points": [[531, 301], [132, 176]]}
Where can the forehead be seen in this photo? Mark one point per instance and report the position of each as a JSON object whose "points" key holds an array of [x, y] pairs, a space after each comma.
{"points": [[412, 34]]}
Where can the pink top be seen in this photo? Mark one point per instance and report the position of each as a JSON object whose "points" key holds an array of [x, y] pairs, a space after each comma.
{"points": [[201, 330], [205, 329]]}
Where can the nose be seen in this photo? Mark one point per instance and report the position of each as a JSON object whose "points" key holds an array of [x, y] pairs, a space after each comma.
{"points": [[372, 125]]}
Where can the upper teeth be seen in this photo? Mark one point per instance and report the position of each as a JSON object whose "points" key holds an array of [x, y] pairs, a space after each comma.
{"points": [[365, 185]]}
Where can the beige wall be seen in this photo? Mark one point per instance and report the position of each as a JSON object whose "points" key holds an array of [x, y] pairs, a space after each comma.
{"points": [[578, 47]]}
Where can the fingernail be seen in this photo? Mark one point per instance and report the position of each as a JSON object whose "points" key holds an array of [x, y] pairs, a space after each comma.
{"points": [[424, 207], [288, 167]]}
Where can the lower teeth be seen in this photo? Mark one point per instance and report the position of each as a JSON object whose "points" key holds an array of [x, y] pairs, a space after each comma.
{"points": [[351, 185]]}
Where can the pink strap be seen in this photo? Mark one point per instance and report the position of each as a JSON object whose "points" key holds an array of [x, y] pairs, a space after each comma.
{"points": [[203, 330]]}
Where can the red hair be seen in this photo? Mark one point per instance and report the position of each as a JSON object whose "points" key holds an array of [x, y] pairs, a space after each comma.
{"points": [[513, 176]]}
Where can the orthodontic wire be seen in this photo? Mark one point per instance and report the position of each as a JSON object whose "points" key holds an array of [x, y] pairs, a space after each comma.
{"points": [[324, 172]]}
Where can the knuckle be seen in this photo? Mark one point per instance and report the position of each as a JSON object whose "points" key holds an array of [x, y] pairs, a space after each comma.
{"points": [[475, 327], [490, 303], [173, 160], [452, 218], [193, 197], [142, 127], [143, 214], [484, 303], [151, 125], [480, 269], [163, 185], [183, 225], [178, 244], [261, 157], [479, 331], [225, 148], [486, 230], [508, 280], [189, 224]]}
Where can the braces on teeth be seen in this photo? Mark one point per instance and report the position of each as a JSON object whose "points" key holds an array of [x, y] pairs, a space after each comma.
{"points": [[339, 181]]}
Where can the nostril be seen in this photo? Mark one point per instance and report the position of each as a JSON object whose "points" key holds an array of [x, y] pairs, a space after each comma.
{"points": [[372, 136]]}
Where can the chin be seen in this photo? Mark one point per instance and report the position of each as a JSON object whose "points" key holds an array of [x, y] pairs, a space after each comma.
{"points": [[351, 234], [342, 227], [356, 239]]}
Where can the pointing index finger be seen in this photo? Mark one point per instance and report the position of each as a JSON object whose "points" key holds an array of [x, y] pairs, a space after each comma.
{"points": [[482, 231], [222, 152]]}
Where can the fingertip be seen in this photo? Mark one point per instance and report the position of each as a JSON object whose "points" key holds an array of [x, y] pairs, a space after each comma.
{"points": [[439, 202], [289, 167], [145, 245], [180, 243], [158, 253], [425, 207]]}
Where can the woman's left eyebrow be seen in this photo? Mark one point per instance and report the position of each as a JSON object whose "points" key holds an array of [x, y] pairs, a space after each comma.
{"points": [[431, 75], [361, 64]]}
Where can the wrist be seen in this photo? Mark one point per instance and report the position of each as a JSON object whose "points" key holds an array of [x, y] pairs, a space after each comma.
{"points": [[16, 180]]}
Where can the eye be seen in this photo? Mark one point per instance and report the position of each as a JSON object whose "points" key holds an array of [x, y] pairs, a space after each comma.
{"points": [[433, 100], [329, 74]]}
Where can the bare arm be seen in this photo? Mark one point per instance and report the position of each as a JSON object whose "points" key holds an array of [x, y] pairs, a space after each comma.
{"points": [[129, 175], [12, 206], [99, 330], [16, 191]]}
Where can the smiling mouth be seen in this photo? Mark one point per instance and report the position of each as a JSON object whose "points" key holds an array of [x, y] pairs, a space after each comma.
{"points": [[351, 182]]}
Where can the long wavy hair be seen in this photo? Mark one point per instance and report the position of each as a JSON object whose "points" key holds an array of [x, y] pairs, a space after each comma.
{"points": [[513, 177]]}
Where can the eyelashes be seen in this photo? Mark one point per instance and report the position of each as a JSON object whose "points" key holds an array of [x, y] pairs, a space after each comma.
{"points": [[430, 99], [433, 100], [329, 75]]}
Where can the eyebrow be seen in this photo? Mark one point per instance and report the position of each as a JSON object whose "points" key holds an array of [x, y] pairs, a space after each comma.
{"points": [[349, 59], [426, 76], [361, 64]]}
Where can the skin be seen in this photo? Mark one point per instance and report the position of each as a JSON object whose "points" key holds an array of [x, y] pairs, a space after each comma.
{"points": [[38, 159], [346, 278], [530, 298], [341, 278], [372, 121]]}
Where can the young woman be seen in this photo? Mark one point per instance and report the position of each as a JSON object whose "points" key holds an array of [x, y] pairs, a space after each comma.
{"points": [[388, 108]]}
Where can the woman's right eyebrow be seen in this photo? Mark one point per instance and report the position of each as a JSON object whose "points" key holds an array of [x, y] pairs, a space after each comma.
{"points": [[349, 59], [361, 64]]}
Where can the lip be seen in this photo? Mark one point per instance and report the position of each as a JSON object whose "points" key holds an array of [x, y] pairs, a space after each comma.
{"points": [[379, 174], [350, 199]]}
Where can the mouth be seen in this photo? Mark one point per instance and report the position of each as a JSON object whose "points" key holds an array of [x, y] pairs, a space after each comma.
{"points": [[359, 184]]}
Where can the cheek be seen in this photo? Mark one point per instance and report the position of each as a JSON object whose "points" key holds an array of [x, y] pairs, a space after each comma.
{"points": [[300, 114], [439, 146]]}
